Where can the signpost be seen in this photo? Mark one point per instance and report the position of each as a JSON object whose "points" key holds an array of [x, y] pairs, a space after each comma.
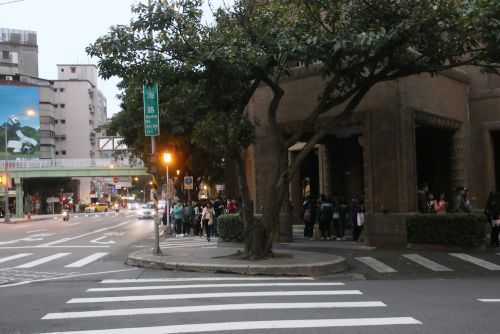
{"points": [[151, 111], [188, 185]]}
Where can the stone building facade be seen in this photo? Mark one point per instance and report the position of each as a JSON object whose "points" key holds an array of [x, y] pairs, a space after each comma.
{"points": [[443, 130]]}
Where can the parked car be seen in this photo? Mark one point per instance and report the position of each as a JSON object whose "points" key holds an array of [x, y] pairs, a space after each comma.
{"points": [[97, 207], [147, 211]]}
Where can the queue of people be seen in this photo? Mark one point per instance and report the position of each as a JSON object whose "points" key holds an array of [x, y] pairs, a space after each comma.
{"points": [[198, 219], [337, 211], [462, 203]]}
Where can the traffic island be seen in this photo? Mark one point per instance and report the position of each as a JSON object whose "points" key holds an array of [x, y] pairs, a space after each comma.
{"points": [[224, 260]]}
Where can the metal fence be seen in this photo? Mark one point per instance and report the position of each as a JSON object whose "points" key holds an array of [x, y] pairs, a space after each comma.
{"points": [[67, 163]]}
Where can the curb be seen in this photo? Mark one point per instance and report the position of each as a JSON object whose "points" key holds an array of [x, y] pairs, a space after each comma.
{"points": [[28, 220], [336, 265]]}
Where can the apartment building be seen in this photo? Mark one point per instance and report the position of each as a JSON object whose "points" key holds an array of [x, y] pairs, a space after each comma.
{"points": [[18, 52]]}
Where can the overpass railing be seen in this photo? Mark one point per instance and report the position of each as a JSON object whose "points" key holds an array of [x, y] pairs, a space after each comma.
{"points": [[66, 163]]}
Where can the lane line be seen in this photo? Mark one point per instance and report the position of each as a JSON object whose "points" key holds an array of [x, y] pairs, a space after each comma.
{"points": [[489, 300], [208, 308], [203, 279], [376, 265], [86, 260], [43, 260], [476, 261], [252, 325], [212, 295], [41, 230], [31, 247], [427, 263], [204, 286], [13, 257]]}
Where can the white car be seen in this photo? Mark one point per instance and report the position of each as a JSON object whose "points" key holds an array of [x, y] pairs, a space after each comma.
{"points": [[147, 211]]}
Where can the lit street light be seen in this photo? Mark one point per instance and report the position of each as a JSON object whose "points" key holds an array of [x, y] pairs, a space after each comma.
{"points": [[27, 113]]}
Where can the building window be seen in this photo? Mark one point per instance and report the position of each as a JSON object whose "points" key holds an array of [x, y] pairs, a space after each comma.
{"points": [[62, 69], [5, 55], [57, 152], [63, 121], [56, 121], [73, 69], [63, 152], [61, 90], [62, 105], [55, 89]]}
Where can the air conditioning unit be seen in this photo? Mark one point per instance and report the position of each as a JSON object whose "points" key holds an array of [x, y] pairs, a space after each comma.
{"points": [[9, 77]]}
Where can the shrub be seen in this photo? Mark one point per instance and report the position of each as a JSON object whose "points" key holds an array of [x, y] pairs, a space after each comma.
{"points": [[463, 230], [231, 228]]}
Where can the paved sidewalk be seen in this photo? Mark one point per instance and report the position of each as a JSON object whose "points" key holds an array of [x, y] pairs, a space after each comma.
{"points": [[31, 219], [221, 259]]}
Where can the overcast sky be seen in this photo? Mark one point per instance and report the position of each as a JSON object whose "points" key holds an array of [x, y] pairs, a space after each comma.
{"points": [[66, 27]]}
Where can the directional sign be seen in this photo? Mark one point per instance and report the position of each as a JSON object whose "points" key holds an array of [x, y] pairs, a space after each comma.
{"points": [[151, 111], [188, 182]]}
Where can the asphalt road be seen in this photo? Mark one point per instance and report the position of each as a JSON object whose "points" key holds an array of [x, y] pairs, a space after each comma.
{"points": [[99, 294]]}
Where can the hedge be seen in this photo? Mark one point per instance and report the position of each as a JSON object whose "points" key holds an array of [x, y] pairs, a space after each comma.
{"points": [[231, 228], [463, 230]]}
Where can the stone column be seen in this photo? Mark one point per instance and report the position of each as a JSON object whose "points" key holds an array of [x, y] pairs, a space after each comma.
{"points": [[325, 179], [19, 198], [457, 159]]}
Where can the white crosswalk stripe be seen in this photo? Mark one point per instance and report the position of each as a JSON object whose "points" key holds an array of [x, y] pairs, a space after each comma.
{"points": [[86, 260], [429, 264], [186, 242], [376, 264], [14, 257], [43, 260], [477, 261], [489, 300], [272, 295]]}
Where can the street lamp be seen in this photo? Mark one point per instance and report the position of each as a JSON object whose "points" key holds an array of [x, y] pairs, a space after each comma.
{"points": [[167, 157], [27, 113]]}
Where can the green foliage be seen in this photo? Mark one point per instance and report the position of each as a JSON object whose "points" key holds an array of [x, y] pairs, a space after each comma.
{"points": [[231, 228], [463, 230]]}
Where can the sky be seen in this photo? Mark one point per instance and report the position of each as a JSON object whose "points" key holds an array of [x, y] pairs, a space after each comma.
{"points": [[16, 100], [65, 27]]}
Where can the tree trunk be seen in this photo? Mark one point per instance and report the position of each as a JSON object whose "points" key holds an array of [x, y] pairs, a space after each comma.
{"points": [[247, 209]]}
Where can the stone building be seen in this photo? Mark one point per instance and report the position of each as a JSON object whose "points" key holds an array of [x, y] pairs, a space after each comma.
{"points": [[443, 130]]}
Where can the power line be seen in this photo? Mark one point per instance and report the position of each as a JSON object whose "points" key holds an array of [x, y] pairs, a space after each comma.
{"points": [[6, 3]]}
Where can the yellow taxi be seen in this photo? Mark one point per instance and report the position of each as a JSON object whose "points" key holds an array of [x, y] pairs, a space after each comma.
{"points": [[97, 207]]}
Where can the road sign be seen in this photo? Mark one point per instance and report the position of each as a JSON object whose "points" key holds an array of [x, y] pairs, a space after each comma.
{"points": [[116, 180], [188, 182], [151, 111]]}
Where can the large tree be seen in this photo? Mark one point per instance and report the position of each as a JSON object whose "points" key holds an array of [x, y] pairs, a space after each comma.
{"points": [[354, 44]]}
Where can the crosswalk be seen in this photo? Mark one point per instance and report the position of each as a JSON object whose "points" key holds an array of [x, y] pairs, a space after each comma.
{"points": [[220, 304], [187, 242], [429, 264], [12, 261]]}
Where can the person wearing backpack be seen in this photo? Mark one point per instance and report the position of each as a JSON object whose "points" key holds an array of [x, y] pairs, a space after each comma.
{"points": [[325, 217], [308, 215]]}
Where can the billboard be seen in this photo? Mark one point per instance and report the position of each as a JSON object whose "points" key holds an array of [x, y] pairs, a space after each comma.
{"points": [[20, 117]]}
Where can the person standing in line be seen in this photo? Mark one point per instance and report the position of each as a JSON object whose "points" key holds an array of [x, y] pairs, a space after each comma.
{"points": [[342, 213], [186, 218], [325, 216], [462, 203], [308, 215], [492, 212], [198, 230], [178, 219], [208, 217]]}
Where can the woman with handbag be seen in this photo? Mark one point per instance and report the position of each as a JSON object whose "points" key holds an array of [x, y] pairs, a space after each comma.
{"points": [[207, 217]]}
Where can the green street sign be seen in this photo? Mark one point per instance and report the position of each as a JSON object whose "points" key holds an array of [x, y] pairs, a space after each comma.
{"points": [[151, 111]]}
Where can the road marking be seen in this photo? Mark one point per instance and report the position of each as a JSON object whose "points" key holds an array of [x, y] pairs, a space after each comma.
{"points": [[63, 277], [376, 265], [82, 235], [86, 260], [203, 279], [429, 264], [476, 261], [13, 257], [489, 300], [208, 308], [96, 241], [204, 286], [213, 295], [43, 229], [252, 325], [43, 260]]}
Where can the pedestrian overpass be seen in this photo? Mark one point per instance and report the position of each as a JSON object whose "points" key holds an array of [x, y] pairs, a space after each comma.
{"points": [[52, 168]]}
